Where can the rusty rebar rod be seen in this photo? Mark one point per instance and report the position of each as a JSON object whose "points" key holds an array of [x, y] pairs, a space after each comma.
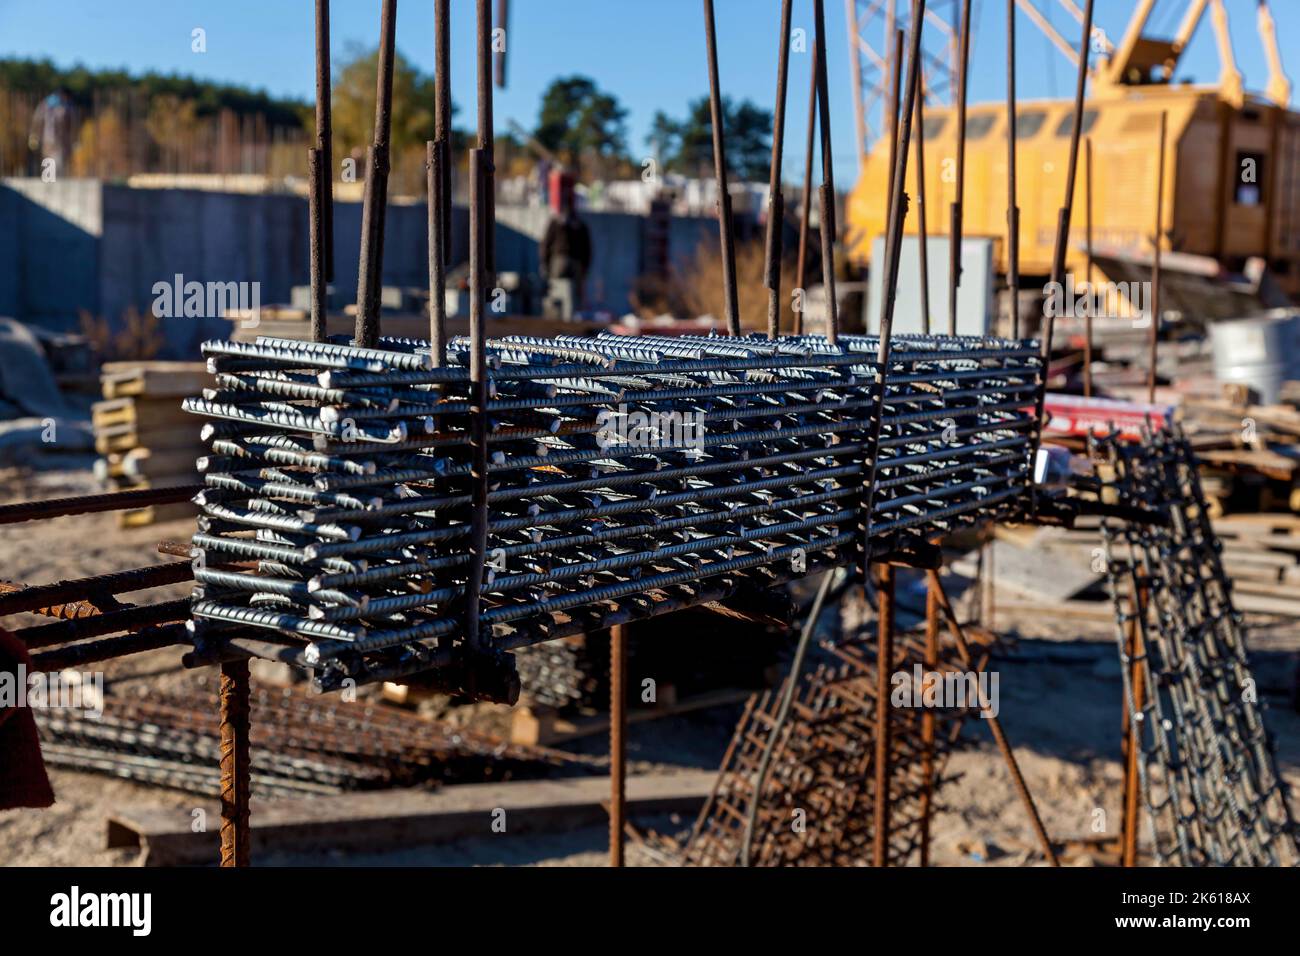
{"points": [[479, 225], [375, 197], [955, 209], [726, 228], [1017, 778], [486, 139], [617, 741], [928, 721], [1013, 207], [18, 599], [89, 652], [499, 54], [129, 617], [828, 229], [236, 776], [923, 254], [87, 504], [324, 191], [775, 198], [895, 97], [1132, 734], [1067, 208], [437, 254], [442, 133], [1157, 240], [884, 668], [801, 269], [316, 227]]}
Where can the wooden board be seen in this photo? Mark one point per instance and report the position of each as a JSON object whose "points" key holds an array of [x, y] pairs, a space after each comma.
{"points": [[544, 727], [382, 821]]}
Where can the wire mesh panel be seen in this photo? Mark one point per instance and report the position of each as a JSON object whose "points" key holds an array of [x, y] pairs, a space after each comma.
{"points": [[622, 476], [1206, 769], [816, 804]]}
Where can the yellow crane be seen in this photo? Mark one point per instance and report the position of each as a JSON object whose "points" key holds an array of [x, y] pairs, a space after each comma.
{"points": [[1232, 173]]}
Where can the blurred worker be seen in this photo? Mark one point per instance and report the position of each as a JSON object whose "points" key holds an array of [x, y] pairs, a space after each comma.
{"points": [[565, 252], [50, 136]]}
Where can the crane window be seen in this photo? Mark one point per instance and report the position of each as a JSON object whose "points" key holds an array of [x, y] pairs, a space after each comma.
{"points": [[934, 126], [1067, 124], [1028, 125], [979, 125], [1249, 172]]}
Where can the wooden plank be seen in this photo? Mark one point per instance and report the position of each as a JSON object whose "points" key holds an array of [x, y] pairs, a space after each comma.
{"points": [[380, 821]]}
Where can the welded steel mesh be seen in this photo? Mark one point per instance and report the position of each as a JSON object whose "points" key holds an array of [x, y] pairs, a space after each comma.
{"points": [[1207, 769], [625, 476], [817, 799]]}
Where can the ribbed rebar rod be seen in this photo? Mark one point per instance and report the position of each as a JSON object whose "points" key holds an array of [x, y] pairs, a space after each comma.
{"points": [[617, 741], [486, 138], [884, 671], [801, 269], [324, 191], [922, 235], [375, 197], [828, 228], [318, 249], [775, 198], [1013, 208], [955, 210], [726, 227], [236, 776]]}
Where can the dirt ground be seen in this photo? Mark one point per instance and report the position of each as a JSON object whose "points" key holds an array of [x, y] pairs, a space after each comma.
{"points": [[1060, 705]]}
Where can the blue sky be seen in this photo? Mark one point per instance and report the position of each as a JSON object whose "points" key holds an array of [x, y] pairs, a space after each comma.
{"points": [[649, 53]]}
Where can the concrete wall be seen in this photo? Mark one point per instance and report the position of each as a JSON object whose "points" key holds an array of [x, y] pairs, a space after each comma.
{"points": [[82, 244]]}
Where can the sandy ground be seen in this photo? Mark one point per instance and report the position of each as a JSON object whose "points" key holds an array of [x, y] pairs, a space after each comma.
{"points": [[1059, 698]]}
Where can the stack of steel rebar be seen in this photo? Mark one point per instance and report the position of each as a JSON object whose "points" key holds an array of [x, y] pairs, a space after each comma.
{"points": [[302, 745], [1205, 764], [603, 478]]}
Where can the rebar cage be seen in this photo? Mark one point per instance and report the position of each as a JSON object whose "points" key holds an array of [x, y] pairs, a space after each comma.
{"points": [[386, 521]]}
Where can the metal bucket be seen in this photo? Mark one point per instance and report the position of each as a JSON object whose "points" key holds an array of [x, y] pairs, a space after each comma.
{"points": [[1261, 352]]}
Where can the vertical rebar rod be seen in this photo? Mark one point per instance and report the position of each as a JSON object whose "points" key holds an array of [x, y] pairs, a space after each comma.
{"points": [[375, 198], [325, 133], [499, 56], [1067, 208], [1013, 207], [923, 254], [955, 210], [236, 778], [479, 225], [775, 198], [726, 233], [928, 721], [1087, 234], [437, 255], [895, 96], [1132, 734], [884, 670], [1158, 239], [1017, 778], [316, 227], [889, 284], [617, 741], [828, 227], [801, 269], [442, 114], [487, 139]]}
